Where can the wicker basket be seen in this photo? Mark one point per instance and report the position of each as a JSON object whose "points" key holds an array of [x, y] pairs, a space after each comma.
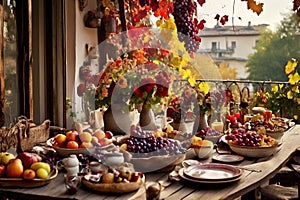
{"points": [[23, 135], [30, 134]]}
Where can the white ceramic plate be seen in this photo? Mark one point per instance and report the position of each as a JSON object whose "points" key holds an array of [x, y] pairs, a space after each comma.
{"points": [[186, 178], [212, 171], [227, 158]]}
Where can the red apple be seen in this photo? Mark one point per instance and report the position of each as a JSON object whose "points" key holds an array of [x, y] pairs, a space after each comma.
{"points": [[27, 159], [2, 170]]}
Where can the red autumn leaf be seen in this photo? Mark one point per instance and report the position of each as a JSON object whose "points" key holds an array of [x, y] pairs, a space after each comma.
{"points": [[200, 25], [141, 14], [257, 8], [224, 19], [217, 17], [201, 2]]}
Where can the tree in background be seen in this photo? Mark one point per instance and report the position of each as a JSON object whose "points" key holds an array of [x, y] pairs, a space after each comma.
{"points": [[273, 50]]}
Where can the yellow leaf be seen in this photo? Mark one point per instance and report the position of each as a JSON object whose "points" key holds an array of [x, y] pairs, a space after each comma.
{"points": [[298, 100], [192, 81], [289, 95], [294, 78], [176, 61], [187, 73], [290, 66], [203, 86], [281, 86], [274, 88]]}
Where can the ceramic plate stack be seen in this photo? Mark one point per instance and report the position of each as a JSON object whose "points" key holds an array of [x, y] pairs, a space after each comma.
{"points": [[211, 173]]}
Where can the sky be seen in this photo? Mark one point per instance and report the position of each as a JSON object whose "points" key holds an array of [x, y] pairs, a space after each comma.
{"points": [[271, 14]]}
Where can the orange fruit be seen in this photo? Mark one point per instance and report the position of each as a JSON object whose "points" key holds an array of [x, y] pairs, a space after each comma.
{"points": [[29, 174], [72, 145], [71, 135]]}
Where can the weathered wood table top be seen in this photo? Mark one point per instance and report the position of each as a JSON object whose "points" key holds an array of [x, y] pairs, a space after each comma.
{"points": [[179, 190]]}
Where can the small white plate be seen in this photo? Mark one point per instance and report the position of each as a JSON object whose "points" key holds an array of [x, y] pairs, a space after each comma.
{"points": [[228, 158]]}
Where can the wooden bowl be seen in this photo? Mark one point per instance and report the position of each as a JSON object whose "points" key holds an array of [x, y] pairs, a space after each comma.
{"points": [[21, 183], [254, 152], [114, 187]]}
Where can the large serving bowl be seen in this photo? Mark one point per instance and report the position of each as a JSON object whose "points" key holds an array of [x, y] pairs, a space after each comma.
{"points": [[157, 163], [254, 152]]}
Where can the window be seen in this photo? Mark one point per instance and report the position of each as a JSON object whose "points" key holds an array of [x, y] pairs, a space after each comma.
{"points": [[233, 44], [213, 46]]}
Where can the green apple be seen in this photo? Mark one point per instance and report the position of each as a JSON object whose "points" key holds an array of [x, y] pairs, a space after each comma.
{"points": [[6, 158]]}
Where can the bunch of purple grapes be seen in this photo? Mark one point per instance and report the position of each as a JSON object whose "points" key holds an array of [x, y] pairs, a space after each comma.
{"points": [[207, 132], [143, 143], [183, 14], [243, 138]]}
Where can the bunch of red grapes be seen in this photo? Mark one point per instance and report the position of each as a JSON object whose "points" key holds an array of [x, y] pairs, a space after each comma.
{"points": [[245, 138], [143, 143], [184, 19]]}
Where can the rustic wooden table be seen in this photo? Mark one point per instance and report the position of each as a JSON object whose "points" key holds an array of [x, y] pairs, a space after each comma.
{"points": [[178, 189]]}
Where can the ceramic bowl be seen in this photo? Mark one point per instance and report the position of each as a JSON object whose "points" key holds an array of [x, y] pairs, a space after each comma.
{"points": [[254, 152], [204, 152], [113, 158]]}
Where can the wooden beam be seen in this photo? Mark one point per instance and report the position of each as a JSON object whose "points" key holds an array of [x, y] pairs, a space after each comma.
{"points": [[2, 81]]}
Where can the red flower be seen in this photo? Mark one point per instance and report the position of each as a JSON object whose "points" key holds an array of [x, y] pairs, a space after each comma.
{"points": [[162, 91], [138, 91], [81, 88], [150, 66], [147, 84]]}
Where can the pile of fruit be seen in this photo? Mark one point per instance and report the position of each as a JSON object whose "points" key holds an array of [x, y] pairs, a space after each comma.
{"points": [[120, 175], [143, 143], [244, 137], [197, 142], [85, 139], [25, 165]]}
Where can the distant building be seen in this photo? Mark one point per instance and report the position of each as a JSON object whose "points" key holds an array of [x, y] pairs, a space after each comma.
{"points": [[231, 44]]}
